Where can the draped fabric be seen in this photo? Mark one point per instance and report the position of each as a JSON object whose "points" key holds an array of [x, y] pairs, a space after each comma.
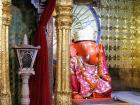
{"points": [[39, 83]]}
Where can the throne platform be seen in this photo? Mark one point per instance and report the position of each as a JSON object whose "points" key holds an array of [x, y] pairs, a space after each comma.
{"points": [[99, 102], [118, 98]]}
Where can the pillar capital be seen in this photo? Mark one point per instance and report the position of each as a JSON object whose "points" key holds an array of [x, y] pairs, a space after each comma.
{"points": [[64, 2], [64, 17], [6, 10]]}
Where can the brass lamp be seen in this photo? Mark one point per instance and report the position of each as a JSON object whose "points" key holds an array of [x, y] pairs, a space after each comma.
{"points": [[26, 55]]}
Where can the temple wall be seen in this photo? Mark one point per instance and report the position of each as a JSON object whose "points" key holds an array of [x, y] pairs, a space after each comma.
{"points": [[120, 35], [136, 72]]}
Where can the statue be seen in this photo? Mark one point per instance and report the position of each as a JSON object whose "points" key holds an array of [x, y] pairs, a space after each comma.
{"points": [[89, 74]]}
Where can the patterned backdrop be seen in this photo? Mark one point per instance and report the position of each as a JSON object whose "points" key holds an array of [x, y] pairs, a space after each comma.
{"points": [[116, 18], [119, 37]]}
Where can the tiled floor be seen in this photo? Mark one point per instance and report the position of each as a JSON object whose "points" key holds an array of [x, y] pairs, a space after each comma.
{"points": [[132, 97], [114, 104]]}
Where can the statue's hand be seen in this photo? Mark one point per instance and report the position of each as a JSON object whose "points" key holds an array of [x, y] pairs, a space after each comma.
{"points": [[106, 78], [76, 96]]}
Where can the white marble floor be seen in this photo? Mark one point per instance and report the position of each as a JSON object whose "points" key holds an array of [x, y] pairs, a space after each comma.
{"points": [[132, 97]]}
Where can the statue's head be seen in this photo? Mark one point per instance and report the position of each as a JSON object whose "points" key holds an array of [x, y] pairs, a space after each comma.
{"points": [[85, 45]]}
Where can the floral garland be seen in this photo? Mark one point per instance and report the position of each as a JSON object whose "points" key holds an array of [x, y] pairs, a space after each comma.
{"points": [[92, 85]]}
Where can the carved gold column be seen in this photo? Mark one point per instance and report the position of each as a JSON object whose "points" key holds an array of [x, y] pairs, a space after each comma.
{"points": [[63, 28], [5, 95]]}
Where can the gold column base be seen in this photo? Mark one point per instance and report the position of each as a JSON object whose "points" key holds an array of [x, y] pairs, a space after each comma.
{"points": [[5, 99], [63, 98]]}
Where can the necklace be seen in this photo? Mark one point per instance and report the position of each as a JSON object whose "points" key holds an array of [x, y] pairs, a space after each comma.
{"points": [[92, 85]]}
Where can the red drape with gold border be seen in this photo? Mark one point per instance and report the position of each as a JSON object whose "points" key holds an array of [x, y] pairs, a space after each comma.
{"points": [[39, 83]]}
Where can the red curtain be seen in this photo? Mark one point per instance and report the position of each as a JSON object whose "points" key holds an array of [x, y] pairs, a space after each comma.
{"points": [[39, 83]]}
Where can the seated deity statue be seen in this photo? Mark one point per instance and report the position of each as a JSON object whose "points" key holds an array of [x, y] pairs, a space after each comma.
{"points": [[88, 70]]}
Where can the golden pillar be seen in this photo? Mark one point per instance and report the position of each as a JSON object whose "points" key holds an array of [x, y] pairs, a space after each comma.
{"points": [[63, 29], [5, 95]]}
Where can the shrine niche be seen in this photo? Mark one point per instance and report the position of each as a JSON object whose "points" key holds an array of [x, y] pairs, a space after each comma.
{"points": [[119, 33], [114, 36]]}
